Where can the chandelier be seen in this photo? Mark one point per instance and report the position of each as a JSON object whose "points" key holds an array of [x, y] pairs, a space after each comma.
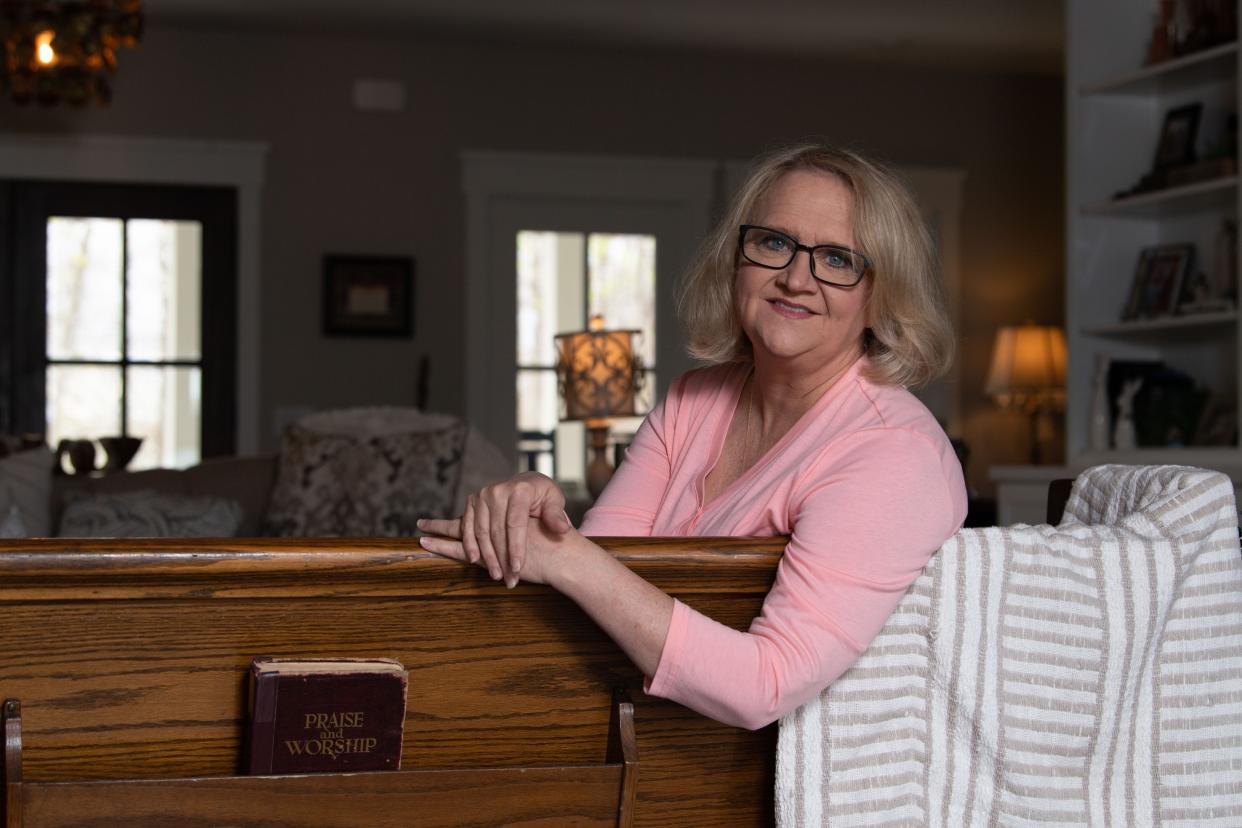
{"points": [[65, 51]]}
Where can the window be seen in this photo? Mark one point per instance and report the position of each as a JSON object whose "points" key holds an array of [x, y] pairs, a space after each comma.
{"points": [[667, 201], [562, 280], [124, 349], [122, 318]]}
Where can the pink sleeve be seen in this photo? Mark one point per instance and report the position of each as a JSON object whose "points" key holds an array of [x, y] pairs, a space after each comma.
{"points": [[629, 503], [865, 523]]}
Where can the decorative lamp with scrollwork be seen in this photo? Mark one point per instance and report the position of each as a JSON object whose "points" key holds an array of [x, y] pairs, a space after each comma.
{"points": [[599, 375]]}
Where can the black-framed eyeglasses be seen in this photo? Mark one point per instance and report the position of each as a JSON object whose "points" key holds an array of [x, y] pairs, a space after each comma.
{"points": [[831, 264]]}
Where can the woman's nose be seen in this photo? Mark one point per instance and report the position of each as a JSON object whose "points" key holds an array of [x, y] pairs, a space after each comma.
{"points": [[797, 274]]}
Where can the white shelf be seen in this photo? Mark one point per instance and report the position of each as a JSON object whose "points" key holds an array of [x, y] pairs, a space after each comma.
{"points": [[1217, 194], [1218, 64], [1146, 327], [1113, 123]]}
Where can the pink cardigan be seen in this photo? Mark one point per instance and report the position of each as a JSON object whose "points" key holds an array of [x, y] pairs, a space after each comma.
{"points": [[867, 486]]}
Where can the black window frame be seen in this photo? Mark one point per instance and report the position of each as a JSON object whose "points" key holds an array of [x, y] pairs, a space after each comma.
{"points": [[26, 206]]}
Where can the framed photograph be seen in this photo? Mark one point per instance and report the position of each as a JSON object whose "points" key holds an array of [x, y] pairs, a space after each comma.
{"points": [[1158, 281], [368, 296], [1177, 137]]}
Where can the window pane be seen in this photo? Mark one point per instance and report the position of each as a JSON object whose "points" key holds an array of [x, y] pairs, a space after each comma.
{"points": [[83, 402], [622, 271], [538, 401], [539, 407], [550, 292], [163, 289], [83, 288], [165, 410]]}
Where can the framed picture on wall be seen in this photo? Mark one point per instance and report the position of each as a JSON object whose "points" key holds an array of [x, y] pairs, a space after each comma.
{"points": [[1158, 281], [368, 296]]}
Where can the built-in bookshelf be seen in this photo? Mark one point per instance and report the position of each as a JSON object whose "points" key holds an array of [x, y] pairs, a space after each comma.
{"points": [[1116, 109]]}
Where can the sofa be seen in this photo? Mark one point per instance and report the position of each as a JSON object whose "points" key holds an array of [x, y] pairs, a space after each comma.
{"points": [[352, 472], [247, 481]]}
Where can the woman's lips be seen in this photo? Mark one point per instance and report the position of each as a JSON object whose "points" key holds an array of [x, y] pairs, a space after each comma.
{"points": [[790, 310]]}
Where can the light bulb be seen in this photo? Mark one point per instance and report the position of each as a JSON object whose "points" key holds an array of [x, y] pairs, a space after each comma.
{"points": [[44, 53]]}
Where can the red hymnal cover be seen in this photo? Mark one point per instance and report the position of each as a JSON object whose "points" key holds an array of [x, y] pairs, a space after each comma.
{"points": [[325, 715]]}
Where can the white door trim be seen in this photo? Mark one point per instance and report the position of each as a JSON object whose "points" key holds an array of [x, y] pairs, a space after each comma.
{"points": [[127, 160], [497, 184]]}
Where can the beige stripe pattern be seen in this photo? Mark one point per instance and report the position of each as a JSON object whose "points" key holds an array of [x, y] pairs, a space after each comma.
{"points": [[1086, 674]]}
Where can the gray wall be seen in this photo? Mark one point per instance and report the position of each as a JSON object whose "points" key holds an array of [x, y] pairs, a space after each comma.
{"points": [[343, 181]]}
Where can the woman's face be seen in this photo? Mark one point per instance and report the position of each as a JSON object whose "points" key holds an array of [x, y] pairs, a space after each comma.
{"points": [[788, 315]]}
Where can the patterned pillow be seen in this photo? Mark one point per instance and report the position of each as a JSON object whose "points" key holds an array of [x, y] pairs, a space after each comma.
{"points": [[334, 485], [146, 514]]}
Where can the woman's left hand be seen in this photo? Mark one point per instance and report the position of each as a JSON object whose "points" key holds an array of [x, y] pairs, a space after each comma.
{"points": [[494, 527], [445, 538]]}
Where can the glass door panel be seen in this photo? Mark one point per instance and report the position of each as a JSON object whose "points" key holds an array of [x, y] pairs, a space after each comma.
{"points": [[163, 286], [84, 288]]}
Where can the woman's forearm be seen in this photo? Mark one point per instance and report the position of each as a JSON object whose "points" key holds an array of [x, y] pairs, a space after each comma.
{"points": [[633, 612]]}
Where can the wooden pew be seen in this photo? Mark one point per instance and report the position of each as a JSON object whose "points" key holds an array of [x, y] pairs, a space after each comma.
{"points": [[590, 795], [130, 658]]}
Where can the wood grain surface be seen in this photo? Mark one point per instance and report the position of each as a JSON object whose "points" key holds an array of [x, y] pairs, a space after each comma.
{"points": [[130, 659], [588, 795]]}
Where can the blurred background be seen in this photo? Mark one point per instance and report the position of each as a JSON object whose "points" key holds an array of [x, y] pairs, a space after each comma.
{"points": [[495, 172]]}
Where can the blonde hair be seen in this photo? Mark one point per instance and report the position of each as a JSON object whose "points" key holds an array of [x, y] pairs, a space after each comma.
{"points": [[909, 339]]}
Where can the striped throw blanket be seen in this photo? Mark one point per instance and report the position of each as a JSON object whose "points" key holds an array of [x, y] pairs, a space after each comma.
{"points": [[1085, 674]]}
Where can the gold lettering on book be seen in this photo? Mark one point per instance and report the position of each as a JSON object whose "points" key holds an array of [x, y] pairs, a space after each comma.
{"points": [[333, 721], [331, 748], [331, 741]]}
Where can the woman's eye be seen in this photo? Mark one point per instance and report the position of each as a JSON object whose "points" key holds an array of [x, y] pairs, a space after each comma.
{"points": [[836, 259], [774, 243]]}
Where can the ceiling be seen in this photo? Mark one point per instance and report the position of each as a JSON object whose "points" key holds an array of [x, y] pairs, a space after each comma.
{"points": [[1013, 35]]}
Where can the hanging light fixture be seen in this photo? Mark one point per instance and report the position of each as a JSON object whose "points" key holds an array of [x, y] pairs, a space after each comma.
{"points": [[65, 51]]}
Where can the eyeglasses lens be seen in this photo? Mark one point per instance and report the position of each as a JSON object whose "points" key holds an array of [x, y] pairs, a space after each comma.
{"points": [[831, 264]]}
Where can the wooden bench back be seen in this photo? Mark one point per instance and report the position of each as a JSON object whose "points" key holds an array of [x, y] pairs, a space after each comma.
{"points": [[600, 794], [130, 659]]}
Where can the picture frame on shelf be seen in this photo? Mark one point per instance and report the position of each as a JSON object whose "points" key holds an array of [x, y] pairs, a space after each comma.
{"points": [[1175, 160], [368, 296], [1158, 279], [1177, 137]]}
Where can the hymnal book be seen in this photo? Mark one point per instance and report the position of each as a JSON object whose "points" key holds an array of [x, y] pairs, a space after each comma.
{"points": [[326, 715]]}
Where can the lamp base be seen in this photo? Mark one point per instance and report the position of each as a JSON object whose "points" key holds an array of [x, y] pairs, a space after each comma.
{"points": [[599, 472]]}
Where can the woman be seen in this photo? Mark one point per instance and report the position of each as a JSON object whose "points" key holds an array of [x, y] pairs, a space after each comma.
{"points": [[814, 303]]}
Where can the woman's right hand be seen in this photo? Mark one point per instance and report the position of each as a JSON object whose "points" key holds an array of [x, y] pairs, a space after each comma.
{"points": [[495, 524]]}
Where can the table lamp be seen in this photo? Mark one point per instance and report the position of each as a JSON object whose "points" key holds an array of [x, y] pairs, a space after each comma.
{"points": [[1028, 373], [599, 375]]}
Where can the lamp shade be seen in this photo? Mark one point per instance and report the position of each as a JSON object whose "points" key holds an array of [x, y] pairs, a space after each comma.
{"points": [[1028, 367], [598, 372]]}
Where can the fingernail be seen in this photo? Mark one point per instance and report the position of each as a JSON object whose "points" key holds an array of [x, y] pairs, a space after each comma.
{"points": [[511, 582], [495, 573], [421, 523], [423, 542]]}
